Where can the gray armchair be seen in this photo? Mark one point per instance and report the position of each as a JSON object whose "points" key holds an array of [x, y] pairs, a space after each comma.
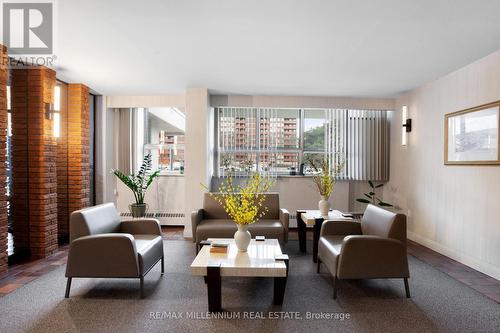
{"points": [[372, 249], [102, 246]]}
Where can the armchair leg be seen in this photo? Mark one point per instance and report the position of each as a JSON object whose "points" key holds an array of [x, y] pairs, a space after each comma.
{"points": [[162, 265], [335, 283], [68, 287], [141, 279], [407, 288], [319, 265]]}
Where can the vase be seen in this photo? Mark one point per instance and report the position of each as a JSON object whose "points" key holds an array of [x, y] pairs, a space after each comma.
{"points": [[242, 238], [324, 206], [138, 210]]}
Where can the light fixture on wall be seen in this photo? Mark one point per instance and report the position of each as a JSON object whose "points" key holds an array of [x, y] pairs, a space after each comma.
{"points": [[56, 128], [52, 112], [406, 123]]}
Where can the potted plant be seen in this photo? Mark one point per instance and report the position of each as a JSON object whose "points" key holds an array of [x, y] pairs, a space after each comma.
{"points": [[371, 197], [244, 204], [325, 178], [138, 184]]}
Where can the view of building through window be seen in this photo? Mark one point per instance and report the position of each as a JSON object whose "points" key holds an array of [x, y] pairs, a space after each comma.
{"points": [[279, 148], [165, 139]]}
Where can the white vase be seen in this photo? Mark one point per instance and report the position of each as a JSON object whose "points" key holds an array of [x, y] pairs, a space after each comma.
{"points": [[324, 206], [242, 238]]}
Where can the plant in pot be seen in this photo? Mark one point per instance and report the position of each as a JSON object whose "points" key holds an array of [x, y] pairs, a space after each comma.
{"points": [[244, 204], [371, 197], [325, 179], [138, 184]]}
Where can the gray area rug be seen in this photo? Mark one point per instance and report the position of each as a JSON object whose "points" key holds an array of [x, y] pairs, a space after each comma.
{"points": [[177, 302]]}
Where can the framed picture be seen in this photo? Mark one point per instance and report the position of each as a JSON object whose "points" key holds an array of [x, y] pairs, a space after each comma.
{"points": [[471, 136]]}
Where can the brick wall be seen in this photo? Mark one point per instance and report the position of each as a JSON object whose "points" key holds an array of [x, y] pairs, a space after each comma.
{"points": [[78, 147], [3, 171], [34, 151]]}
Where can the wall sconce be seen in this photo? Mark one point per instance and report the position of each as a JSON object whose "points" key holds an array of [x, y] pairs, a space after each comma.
{"points": [[52, 112], [56, 129], [406, 125]]}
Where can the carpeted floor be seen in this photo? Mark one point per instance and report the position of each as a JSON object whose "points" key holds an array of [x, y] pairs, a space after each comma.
{"points": [[438, 303]]}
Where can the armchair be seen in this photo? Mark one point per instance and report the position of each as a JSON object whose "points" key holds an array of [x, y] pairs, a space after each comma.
{"points": [[371, 249], [102, 246]]}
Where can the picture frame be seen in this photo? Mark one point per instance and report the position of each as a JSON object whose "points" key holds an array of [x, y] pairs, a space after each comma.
{"points": [[471, 136]]}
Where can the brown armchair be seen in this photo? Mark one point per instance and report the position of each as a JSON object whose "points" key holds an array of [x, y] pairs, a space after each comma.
{"points": [[371, 249], [102, 246]]}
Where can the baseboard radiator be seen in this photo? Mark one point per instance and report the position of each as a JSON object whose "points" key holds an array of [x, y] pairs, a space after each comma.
{"points": [[165, 218]]}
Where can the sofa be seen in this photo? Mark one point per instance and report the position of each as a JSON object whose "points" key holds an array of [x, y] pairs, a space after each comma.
{"points": [[102, 246], [371, 249], [212, 221]]}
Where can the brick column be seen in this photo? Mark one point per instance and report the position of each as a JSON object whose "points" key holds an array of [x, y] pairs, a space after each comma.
{"points": [[78, 147], [3, 166], [34, 200]]}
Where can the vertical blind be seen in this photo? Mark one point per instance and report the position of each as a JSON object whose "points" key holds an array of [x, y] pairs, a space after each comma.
{"points": [[367, 145]]}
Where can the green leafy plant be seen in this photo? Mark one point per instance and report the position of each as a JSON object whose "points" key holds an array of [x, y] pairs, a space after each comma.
{"points": [[371, 197], [139, 182]]}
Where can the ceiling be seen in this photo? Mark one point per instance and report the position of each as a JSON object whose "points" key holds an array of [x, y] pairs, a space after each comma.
{"points": [[270, 47]]}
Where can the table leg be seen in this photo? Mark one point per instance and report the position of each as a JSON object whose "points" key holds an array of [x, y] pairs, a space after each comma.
{"points": [[214, 289], [317, 229], [280, 286], [302, 230]]}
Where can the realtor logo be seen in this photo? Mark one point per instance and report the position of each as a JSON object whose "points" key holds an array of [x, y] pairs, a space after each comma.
{"points": [[28, 27]]}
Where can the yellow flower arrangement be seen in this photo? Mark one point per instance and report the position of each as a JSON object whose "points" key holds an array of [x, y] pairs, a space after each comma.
{"points": [[243, 204], [325, 179]]}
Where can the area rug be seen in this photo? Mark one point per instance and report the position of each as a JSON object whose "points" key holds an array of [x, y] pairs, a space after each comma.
{"points": [[177, 302]]}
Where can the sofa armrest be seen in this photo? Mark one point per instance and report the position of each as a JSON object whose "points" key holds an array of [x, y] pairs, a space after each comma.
{"points": [[196, 217], [141, 226], [340, 228], [367, 256], [285, 220], [103, 255]]}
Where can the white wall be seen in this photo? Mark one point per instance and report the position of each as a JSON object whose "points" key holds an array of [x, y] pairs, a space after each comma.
{"points": [[452, 209], [302, 102], [146, 101], [196, 158]]}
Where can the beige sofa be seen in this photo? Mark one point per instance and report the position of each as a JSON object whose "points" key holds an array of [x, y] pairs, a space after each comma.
{"points": [[102, 246], [371, 249], [212, 221]]}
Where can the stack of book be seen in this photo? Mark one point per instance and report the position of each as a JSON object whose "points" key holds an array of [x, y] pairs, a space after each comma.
{"points": [[219, 247]]}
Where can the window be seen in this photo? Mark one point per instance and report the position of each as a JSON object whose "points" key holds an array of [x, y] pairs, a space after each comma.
{"points": [[164, 137], [278, 141]]}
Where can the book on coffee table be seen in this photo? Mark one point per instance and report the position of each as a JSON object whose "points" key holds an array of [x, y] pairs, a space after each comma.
{"points": [[219, 247]]}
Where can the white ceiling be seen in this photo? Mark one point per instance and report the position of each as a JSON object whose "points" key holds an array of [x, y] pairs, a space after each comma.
{"points": [[270, 47]]}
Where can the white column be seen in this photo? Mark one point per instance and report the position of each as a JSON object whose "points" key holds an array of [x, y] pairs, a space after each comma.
{"points": [[197, 160]]}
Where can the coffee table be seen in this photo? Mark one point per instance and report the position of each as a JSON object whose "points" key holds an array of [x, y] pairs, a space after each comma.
{"points": [[313, 218], [263, 259]]}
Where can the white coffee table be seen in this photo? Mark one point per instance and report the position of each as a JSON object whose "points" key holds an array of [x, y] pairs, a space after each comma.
{"points": [[263, 259]]}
